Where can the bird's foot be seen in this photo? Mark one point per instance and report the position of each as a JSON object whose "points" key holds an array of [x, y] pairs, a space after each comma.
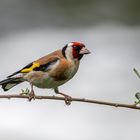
{"points": [[31, 96], [68, 100]]}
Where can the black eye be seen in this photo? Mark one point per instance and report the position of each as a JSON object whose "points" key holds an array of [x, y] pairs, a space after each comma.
{"points": [[77, 48]]}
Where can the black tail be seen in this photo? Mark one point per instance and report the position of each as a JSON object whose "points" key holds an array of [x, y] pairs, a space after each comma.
{"points": [[10, 82]]}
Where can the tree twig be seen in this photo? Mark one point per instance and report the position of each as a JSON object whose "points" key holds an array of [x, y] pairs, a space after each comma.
{"points": [[131, 106], [136, 72]]}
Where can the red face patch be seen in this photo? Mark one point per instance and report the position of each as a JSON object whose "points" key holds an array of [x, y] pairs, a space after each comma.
{"points": [[77, 46]]}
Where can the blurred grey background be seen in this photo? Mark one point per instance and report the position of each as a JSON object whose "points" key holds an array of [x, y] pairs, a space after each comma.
{"points": [[30, 29]]}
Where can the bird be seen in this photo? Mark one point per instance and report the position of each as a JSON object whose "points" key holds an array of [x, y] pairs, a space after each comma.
{"points": [[50, 71]]}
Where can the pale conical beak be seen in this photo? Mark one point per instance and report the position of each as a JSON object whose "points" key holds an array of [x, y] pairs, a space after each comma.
{"points": [[84, 51]]}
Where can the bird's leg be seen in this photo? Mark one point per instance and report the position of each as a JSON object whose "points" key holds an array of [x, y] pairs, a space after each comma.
{"points": [[68, 99], [31, 94]]}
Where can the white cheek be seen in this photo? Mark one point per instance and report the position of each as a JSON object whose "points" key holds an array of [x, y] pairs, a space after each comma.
{"points": [[69, 55]]}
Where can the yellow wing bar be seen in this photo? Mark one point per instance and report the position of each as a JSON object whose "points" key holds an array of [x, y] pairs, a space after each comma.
{"points": [[34, 65]]}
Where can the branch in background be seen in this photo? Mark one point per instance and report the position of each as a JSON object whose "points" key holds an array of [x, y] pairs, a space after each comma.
{"points": [[136, 72], [131, 106]]}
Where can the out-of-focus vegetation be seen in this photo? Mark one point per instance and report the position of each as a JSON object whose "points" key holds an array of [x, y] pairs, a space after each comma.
{"points": [[17, 14]]}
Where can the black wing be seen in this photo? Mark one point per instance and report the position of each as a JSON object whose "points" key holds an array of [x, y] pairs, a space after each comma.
{"points": [[44, 67], [27, 66]]}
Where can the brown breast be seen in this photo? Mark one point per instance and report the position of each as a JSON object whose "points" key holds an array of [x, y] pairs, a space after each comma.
{"points": [[60, 72]]}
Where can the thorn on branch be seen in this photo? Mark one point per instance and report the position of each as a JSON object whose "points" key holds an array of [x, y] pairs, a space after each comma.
{"points": [[9, 97]]}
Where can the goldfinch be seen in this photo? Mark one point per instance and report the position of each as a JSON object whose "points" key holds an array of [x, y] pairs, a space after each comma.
{"points": [[50, 71]]}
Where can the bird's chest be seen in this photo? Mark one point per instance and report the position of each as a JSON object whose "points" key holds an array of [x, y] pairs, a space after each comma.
{"points": [[66, 72], [71, 71], [59, 79]]}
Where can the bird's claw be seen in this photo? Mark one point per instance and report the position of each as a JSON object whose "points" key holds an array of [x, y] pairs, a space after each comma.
{"points": [[68, 100], [31, 96]]}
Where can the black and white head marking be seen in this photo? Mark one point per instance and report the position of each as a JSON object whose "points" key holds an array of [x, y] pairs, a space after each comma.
{"points": [[74, 51], [67, 51]]}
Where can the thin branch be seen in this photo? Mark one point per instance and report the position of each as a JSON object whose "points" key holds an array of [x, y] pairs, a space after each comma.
{"points": [[136, 72], [131, 106]]}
